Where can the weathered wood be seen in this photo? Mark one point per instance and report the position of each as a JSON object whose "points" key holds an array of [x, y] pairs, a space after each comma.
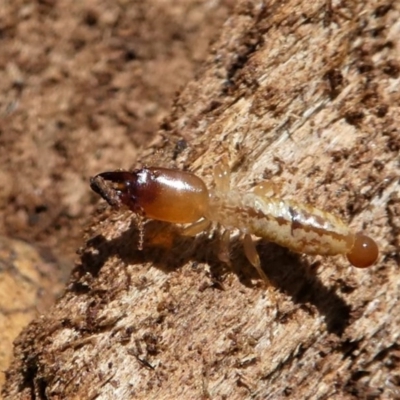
{"points": [[304, 94]]}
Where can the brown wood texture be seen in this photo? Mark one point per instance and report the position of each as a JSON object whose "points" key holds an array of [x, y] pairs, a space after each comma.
{"points": [[305, 95]]}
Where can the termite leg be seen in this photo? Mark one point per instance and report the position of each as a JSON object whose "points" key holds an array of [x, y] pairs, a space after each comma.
{"points": [[252, 255], [196, 228], [224, 254], [267, 189], [222, 177]]}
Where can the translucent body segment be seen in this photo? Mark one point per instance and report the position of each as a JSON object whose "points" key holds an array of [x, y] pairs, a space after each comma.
{"points": [[252, 255], [267, 189], [222, 178], [224, 254], [196, 228], [300, 228]]}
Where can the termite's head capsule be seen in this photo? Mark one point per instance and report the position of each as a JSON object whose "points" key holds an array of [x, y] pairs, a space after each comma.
{"points": [[157, 193], [364, 252]]}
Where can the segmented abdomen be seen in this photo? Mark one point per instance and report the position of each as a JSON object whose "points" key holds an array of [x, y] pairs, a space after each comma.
{"points": [[299, 227]]}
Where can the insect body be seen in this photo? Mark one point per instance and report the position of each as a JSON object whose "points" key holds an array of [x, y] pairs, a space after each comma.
{"points": [[182, 197], [156, 193]]}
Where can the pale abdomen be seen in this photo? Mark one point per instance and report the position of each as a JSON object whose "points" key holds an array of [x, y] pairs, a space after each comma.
{"points": [[301, 228]]}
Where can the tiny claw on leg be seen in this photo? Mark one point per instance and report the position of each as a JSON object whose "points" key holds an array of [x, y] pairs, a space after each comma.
{"points": [[252, 255]]}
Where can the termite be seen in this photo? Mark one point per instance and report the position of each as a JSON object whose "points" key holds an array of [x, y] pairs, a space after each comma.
{"points": [[181, 197]]}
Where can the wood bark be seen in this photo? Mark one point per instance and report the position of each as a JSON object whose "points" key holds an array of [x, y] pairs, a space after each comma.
{"points": [[302, 94]]}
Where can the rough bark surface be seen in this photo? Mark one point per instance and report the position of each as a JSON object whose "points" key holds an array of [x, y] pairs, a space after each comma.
{"points": [[306, 95], [83, 85], [29, 284]]}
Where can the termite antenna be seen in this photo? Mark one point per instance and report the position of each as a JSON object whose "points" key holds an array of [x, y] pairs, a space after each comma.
{"points": [[364, 252], [140, 225]]}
